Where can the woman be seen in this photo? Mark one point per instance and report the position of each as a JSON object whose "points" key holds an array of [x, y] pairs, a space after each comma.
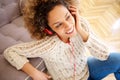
{"points": [[62, 36]]}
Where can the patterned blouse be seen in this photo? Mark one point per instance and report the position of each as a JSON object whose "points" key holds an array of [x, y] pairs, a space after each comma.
{"points": [[57, 55]]}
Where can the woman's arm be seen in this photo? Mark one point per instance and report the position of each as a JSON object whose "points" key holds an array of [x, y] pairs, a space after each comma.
{"points": [[96, 47], [81, 31], [22, 63], [17, 55], [34, 73], [94, 44]]}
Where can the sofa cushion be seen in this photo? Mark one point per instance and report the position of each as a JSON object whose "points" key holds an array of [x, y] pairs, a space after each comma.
{"points": [[16, 30], [9, 10], [6, 41], [18, 21], [12, 74], [17, 33], [13, 33]]}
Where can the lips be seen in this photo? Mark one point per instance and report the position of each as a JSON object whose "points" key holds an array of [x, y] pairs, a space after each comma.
{"points": [[70, 31]]}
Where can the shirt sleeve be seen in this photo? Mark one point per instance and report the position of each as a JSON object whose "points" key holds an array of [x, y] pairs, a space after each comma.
{"points": [[94, 44], [17, 55]]}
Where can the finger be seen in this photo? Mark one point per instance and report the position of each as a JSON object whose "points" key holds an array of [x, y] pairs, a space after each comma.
{"points": [[48, 76], [73, 13], [72, 9], [72, 6]]}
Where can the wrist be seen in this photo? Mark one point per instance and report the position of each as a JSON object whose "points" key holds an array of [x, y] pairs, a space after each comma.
{"points": [[84, 35], [34, 73]]}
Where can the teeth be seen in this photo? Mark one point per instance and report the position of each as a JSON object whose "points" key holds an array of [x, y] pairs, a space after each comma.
{"points": [[70, 31]]}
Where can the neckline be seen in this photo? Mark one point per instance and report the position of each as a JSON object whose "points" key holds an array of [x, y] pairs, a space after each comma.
{"points": [[68, 42]]}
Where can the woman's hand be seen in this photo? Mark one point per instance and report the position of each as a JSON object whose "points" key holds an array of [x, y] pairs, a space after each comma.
{"points": [[41, 76], [75, 13], [34, 73]]}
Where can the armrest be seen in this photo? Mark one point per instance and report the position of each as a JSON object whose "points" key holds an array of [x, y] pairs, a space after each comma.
{"points": [[8, 72]]}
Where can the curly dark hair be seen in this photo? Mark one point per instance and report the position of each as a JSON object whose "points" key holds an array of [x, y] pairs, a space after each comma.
{"points": [[35, 15]]}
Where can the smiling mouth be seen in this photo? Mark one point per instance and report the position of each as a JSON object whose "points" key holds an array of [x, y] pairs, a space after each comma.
{"points": [[70, 31]]}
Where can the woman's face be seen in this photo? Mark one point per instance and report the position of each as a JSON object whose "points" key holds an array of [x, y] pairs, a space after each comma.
{"points": [[62, 22]]}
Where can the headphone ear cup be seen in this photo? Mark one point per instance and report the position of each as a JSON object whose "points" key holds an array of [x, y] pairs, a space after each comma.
{"points": [[48, 31]]}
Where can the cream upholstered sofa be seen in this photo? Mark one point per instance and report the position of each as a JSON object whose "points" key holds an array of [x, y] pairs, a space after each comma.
{"points": [[12, 32]]}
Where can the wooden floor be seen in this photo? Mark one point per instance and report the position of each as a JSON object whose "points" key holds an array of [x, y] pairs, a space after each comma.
{"points": [[104, 18]]}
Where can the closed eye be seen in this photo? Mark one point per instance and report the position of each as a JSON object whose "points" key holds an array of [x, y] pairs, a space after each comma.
{"points": [[58, 25], [68, 17]]}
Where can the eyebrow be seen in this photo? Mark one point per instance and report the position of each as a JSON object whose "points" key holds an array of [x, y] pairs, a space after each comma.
{"points": [[59, 22]]}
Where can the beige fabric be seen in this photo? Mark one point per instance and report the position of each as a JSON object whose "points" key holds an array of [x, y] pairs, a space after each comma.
{"points": [[57, 54]]}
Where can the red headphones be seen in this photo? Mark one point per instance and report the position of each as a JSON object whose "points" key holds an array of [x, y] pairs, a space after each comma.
{"points": [[48, 31]]}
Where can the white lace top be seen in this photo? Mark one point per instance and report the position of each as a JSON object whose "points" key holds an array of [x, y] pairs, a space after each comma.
{"points": [[57, 54]]}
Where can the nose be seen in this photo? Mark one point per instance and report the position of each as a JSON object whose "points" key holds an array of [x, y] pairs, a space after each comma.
{"points": [[66, 24]]}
